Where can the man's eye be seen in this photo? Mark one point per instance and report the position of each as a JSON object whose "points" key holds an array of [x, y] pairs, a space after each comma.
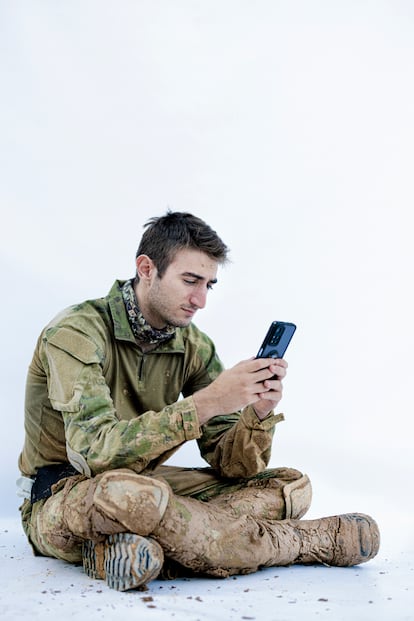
{"points": [[190, 282]]}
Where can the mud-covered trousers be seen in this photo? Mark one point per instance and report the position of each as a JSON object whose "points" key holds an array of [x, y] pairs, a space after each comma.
{"points": [[49, 524]]}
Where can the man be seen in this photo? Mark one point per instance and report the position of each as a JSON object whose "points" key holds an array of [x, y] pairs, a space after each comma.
{"points": [[117, 385]]}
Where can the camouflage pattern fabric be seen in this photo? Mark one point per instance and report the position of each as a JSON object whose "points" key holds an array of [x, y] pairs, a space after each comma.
{"points": [[96, 400], [57, 526]]}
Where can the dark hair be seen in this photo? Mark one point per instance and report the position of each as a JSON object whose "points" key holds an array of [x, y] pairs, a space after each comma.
{"points": [[165, 235]]}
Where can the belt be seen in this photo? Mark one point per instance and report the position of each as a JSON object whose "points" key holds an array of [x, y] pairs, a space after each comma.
{"points": [[40, 486]]}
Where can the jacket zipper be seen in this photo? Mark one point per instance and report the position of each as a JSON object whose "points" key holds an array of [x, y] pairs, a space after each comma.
{"points": [[141, 368]]}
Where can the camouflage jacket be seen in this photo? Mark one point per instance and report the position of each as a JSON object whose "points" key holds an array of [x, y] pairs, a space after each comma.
{"points": [[93, 398]]}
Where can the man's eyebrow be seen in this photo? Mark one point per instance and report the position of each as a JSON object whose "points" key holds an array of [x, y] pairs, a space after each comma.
{"points": [[213, 281]]}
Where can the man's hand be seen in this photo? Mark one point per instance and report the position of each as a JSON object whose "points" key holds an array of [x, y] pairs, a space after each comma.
{"points": [[250, 382]]}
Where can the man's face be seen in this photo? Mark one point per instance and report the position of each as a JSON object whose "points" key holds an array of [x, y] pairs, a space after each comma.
{"points": [[182, 290]]}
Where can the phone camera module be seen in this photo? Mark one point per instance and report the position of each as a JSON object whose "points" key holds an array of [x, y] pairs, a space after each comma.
{"points": [[277, 335]]}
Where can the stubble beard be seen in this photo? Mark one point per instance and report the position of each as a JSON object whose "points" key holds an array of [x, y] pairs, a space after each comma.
{"points": [[160, 310]]}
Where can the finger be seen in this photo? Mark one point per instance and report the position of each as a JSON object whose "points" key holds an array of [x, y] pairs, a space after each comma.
{"points": [[282, 362], [271, 390], [257, 364], [274, 371], [279, 361], [275, 385], [272, 401], [263, 375], [278, 370]]}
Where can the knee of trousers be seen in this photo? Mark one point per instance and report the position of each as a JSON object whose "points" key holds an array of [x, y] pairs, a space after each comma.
{"points": [[295, 487], [136, 502], [48, 532], [115, 501], [298, 497]]}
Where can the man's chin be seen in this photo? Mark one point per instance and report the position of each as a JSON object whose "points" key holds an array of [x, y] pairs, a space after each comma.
{"points": [[180, 323]]}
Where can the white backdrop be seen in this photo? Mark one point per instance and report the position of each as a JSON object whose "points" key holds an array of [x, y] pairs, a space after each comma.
{"points": [[288, 127]]}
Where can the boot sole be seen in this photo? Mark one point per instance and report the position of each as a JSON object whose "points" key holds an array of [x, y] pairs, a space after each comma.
{"points": [[125, 560]]}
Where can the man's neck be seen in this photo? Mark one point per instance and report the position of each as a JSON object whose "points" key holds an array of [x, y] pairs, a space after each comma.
{"points": [[143, 331]]}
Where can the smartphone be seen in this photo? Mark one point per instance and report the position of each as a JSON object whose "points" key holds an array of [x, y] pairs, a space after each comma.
{"points": [[276, 340]]}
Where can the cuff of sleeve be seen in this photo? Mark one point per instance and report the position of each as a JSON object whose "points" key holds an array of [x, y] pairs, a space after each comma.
{"points": [[251, 421], [189, 417]]}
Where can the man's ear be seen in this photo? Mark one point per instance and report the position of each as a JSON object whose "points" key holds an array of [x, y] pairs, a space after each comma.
{"points": [[145, 267]]}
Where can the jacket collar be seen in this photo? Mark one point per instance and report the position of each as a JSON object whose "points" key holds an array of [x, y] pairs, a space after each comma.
{"points": [[122, 328]]}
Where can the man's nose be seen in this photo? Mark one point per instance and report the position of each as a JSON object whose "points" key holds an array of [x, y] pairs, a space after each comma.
{"points": [[199, 298]]}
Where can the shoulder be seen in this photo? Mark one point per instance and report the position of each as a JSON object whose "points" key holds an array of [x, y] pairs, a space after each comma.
{"points": [[200, 347], [81, 329], [194, 337], [89, 316], [82, 317]]}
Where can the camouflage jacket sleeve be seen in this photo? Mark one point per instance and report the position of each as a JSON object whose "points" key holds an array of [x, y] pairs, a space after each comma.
{"points": [[238, 445], [96, 439]]}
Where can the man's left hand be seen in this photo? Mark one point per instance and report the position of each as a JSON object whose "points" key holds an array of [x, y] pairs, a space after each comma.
{"points": [[272, 390]]}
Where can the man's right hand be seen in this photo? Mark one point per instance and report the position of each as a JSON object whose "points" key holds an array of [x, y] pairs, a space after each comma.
{"points": [[244, 384]]}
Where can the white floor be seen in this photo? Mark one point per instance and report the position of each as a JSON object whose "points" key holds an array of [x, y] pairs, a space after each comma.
{"points": [[43, 588]]}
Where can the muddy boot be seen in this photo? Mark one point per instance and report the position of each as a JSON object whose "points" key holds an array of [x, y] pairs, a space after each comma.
{"points": [[271, 499], [210, 540], [340, 540], [125, 561], [113, 514]]}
